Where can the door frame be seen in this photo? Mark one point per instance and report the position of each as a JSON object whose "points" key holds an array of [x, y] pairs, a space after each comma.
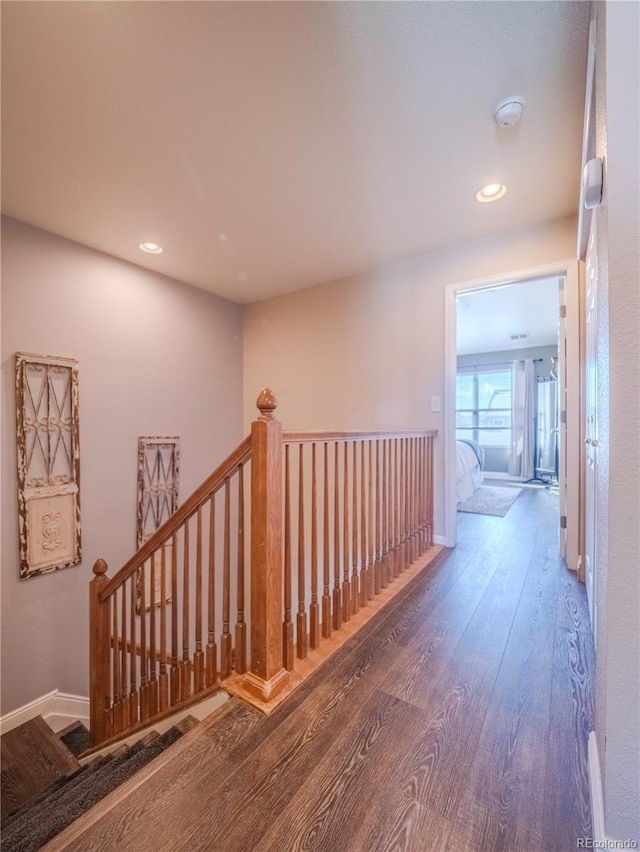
{"points": [[570, 271]]}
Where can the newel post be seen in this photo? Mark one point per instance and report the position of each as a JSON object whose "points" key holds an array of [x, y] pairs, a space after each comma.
{"points": [[267, 674], [99, 654]]}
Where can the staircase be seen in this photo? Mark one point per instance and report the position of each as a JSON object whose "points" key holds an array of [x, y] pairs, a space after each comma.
{"points": [[45, 787]]}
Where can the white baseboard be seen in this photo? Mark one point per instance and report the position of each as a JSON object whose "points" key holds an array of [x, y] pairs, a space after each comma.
{"points": [[595, 792], [58, 709], [439, 539]]}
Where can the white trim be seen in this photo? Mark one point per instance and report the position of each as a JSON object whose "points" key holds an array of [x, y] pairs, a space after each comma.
{"points": [[569, 270], [57, 708], [595, 792], [439, 539]]}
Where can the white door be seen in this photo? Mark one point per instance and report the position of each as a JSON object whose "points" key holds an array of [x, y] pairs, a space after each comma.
{"points": [[591, 418], [562, 416]]}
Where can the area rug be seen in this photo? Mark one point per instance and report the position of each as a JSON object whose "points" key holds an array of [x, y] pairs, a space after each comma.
{"points": [[490, 500]]}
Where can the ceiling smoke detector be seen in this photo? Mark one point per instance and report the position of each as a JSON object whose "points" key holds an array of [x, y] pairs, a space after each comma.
{"points": [[509, 111]]}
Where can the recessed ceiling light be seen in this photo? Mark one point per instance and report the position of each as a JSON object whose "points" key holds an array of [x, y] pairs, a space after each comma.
{"points": [[491, 192], [150, 247]]}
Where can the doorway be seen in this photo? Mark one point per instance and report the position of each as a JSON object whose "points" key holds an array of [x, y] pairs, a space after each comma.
{"points": [[489, 419]]}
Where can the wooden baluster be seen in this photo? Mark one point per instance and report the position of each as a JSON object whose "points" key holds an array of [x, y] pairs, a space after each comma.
{"points": [[372, 552], [185, 666], [430, 488], [392, 557], [225, 640], [411, 497], [377, 568], [363, 530], [314, 610], [124, 658], [212, 650], [100, 640], [409, 500], [240, 656], [326, 576], [355, 589], [144, 662], [287, 626], [134, 698], [416, 497], [198, 657], [115, 663], [401, 516], [423, 503], [301, 620], [175, 670], [337, 607], [393, 518], [153, 657], [346, 585], [163, 680], [384, 580], [407, 485]]}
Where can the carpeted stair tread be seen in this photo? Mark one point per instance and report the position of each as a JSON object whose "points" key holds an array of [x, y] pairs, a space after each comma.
{"points": [[51, 814], [51, 793], [76, 737]]}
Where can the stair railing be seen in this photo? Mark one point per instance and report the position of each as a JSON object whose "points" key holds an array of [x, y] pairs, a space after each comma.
{"points": [[174, 622]]}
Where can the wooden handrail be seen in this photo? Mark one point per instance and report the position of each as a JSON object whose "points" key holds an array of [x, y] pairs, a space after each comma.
{"points": [[191, 504], [358, 435]]}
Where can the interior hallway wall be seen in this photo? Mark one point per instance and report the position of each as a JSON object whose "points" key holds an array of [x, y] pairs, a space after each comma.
{"points": [[367, 352], [156, 357], [617, 566]]}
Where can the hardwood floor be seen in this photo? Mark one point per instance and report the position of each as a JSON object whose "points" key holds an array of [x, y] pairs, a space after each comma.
{"points": [[457, 720]]}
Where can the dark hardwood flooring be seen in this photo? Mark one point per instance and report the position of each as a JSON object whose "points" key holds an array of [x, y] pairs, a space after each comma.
{"points": [[32, 758], [456, 720]]}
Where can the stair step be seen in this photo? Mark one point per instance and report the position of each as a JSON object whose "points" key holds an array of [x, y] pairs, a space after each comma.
{"points": [[187, 724], [33, 758], [53, 809], [76, 737]]}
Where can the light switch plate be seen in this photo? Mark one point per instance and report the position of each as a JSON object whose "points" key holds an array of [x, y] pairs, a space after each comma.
{"points": [[436, 404]]}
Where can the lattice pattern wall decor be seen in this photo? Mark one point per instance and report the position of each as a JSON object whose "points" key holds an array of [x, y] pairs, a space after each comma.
{"points": [[48, 463], [158, 476]]}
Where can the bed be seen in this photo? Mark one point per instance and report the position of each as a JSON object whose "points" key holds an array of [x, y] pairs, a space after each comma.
{"points": [[469, 465]]}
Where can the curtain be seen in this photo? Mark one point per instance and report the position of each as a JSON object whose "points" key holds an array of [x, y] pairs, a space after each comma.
{"points": [[523, 390]]}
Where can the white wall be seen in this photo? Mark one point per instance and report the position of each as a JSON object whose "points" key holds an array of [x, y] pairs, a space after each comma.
{"points": [[617, 570], [156, 357], [368, 352]]}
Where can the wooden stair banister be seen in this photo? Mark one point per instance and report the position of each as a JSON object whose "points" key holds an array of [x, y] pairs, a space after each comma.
{"points": [[332, 527], [172, 524]]}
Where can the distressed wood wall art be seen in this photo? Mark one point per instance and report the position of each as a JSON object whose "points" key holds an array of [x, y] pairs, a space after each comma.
{"points": [[158, 476], [48, 463]]}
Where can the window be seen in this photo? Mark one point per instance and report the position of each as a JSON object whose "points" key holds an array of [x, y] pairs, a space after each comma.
{"points": [[483, 407]]}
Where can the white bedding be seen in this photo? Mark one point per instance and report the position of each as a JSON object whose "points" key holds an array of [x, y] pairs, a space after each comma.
{"points": [[468, 471]]}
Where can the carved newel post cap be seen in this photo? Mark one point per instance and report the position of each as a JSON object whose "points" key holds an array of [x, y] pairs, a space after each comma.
{"points": [[100, 568], [266, 403]]}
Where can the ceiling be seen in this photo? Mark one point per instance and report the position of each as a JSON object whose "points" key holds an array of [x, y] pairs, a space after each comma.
{"points": [[273, 146], [486, 319]]}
